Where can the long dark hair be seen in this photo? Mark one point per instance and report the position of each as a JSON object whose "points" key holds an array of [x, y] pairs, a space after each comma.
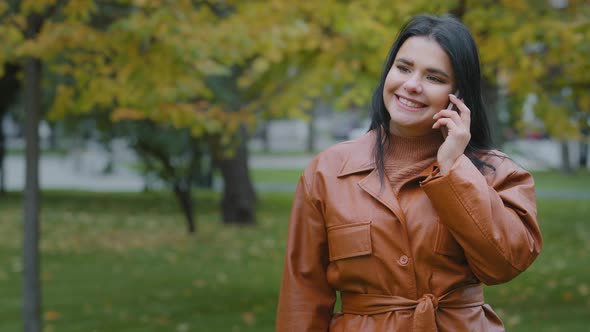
{"points": [[454, 38]]}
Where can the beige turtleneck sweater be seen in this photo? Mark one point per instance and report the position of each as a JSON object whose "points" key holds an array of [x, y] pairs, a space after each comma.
{"points": [[408, 156]]}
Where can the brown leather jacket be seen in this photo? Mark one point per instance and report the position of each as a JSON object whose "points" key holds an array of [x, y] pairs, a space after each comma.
{"points": [[411, 262]]}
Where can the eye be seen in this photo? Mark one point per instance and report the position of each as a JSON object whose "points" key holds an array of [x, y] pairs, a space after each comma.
{"points": [[403, 69], [436, 79]]}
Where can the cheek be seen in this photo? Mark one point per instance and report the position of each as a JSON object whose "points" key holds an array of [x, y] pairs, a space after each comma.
{"points": [[442, 103], [391, 80], [441, 100]]}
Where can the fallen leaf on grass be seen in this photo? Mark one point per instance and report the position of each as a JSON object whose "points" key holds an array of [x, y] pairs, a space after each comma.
{"points": [[221, 277], [172, 258], [248, 318], [17, 266], [199, 283], [46, 276], [269, 243], [88, 308], [51, 315], [583, 289], [233, 256], [254, 250], [559, 265], [162, 320], [567, 296], [513, 321], [182, 327]]}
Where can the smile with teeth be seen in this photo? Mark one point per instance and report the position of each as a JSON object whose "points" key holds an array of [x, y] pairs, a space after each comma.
{"points": [[409, 103]]}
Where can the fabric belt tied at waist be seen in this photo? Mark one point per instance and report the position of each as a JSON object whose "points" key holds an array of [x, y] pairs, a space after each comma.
{"points": [[424, 308]]}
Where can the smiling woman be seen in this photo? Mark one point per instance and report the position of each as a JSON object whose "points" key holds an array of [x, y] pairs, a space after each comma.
{"points": [[405, 223]]}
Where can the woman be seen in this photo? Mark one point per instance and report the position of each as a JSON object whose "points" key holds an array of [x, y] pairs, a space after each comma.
{"points": [[407, 222]]}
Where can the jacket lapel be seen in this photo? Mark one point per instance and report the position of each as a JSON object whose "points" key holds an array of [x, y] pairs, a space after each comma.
{"points": [[362, 161], [382, 193]]}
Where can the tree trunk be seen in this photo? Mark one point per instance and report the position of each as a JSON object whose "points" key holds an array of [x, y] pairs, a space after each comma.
{"points": [[459, 10], [583, 161], [265, 139], [31, 285], [159, 159], [312, 134], [184, 195], [2, 157], [565, 157], [239, 198]]}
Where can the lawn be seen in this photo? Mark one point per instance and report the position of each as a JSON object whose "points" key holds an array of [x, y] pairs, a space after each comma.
{"points": [[123, 262], [546, 181]]}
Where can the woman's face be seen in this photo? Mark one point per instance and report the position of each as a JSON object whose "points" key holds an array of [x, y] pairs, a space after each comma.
{"points": [[417, 86]]}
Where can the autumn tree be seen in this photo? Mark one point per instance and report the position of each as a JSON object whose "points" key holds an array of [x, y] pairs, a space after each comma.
{"points": [[17, 29], [172, 156], [148, 64], [540, 48], [334, 50], [211, 67]]}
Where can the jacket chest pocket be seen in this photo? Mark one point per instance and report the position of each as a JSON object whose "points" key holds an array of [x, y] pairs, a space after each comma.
{"points": [[350, 240], [445, 242]]}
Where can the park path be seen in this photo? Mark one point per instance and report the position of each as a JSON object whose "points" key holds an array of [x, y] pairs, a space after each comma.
{"points": [[86, 174]]}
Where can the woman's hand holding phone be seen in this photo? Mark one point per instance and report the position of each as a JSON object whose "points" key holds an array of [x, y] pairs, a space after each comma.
{"points": [[452, 107], [455, 125]]}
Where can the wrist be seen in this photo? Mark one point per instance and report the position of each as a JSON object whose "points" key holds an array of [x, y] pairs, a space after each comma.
{"points": [[446, 165], [444, 168]]}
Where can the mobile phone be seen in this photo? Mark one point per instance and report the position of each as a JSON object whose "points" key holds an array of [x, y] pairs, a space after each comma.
{"points": [[453, 107]]}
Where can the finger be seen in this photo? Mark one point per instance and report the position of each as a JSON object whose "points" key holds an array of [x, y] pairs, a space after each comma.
{"points": [[444, 122], [448, 114], [465, 114]]}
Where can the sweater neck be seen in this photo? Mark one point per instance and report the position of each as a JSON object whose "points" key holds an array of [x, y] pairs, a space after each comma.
{"points": [[408, 156], [409, 150]]}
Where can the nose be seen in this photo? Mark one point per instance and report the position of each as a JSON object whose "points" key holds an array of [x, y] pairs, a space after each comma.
{"points": [[413, 85]]}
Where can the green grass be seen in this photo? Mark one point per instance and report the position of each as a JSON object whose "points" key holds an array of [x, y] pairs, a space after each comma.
{"points": [[256, 152], [289, 176], [59, 152], [122, 262], [544, 180], [554, 179]]}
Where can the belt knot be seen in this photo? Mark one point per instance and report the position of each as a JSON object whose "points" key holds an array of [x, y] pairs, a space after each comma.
{"points": [[425, 308], [430, 300], [425, 314]]}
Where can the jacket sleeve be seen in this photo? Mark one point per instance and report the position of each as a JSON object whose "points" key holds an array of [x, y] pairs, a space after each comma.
{"points": [[495, 223], [306, 300]]}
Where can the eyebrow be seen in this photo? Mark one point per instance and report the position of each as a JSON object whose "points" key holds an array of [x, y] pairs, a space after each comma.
{"points": [[431, 70]]}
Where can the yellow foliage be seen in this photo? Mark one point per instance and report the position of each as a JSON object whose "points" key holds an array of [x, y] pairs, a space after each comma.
{"points": [[79, 10], [584, 102], [3, 8], [62, 103], [281, 56], [35, 6], [515, 5], [122, 113]]}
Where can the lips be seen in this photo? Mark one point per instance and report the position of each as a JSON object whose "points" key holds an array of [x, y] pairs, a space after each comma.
{"points": [[410, 103]]}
